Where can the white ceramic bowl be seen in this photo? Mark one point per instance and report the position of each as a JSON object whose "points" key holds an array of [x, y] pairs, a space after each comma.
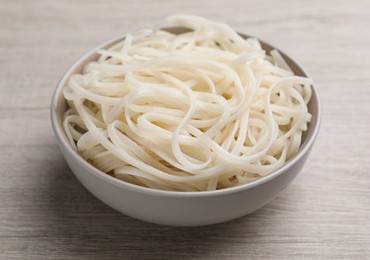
{"points": [[179, 208]]}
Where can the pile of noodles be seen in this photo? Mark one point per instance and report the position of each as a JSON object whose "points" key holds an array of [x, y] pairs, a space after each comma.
{"points": [[198, 111]]}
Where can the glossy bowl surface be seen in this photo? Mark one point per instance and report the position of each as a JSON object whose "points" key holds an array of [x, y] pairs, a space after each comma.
{"points": [[180, 208]]}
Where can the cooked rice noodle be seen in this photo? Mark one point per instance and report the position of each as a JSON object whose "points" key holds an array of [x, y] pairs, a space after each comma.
{"points": [[202, 110]]}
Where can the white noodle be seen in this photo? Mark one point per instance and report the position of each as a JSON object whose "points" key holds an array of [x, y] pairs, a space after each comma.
{"points": [[202, 110]]}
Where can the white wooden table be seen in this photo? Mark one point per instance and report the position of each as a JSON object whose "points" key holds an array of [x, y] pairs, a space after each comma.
{"points": [[45, 213]]}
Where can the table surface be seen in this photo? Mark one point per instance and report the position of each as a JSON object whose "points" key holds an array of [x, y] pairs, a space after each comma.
{"points": [[46, 213]]}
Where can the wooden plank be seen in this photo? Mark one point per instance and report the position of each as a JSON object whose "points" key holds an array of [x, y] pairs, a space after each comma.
{"points": [[45, 213]]}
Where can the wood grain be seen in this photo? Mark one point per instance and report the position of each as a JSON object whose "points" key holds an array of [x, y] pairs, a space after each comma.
{"points": [[45, 213]]}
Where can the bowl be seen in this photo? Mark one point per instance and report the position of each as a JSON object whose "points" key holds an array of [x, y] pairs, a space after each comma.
{"points": [[173, 207]]}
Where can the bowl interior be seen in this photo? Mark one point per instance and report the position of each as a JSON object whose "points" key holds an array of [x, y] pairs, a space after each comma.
{"points": [[59, 106]]}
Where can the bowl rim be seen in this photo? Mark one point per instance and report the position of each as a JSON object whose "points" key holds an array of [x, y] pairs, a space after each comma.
{"points": [[90, 169]]}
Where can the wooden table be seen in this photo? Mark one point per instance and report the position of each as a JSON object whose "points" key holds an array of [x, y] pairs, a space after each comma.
{"points": [[45, 213]]}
